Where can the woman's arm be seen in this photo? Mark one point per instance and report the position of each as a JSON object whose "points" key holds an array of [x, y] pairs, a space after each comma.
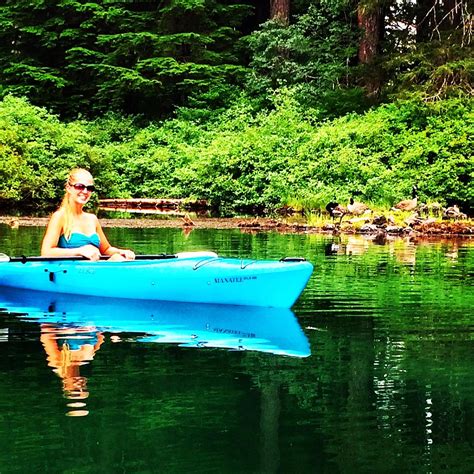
{"points": [[107, 249]]}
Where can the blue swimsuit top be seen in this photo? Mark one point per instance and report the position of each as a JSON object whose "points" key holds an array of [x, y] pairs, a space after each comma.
{"points": [[78, 240], [76, 344]]}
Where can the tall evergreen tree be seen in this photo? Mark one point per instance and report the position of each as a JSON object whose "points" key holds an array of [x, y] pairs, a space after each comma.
{"points": [[370, 17], [77, 56], [312, 54], [132, 57]]}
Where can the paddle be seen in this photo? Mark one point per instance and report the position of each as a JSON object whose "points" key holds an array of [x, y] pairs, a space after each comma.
{"points": [[160, 256], [24, 259]]}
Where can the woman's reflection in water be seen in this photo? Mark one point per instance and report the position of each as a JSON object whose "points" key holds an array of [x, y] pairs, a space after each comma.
{"points": [[68, 348]]}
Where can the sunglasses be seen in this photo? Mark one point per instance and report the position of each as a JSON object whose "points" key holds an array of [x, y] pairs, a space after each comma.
{"points": [[83, 187]]}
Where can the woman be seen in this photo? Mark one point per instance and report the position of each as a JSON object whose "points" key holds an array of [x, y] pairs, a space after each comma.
{"points": [[71, 232], [67, 349]]}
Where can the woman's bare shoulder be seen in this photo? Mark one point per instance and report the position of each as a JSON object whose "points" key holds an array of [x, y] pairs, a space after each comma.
{"points": [[55, 223], [57, 215], [91, 216], [91, 219]]}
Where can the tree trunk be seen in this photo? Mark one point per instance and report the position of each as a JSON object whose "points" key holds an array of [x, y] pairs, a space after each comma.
{"points": [[370, 21], [280, 11]]}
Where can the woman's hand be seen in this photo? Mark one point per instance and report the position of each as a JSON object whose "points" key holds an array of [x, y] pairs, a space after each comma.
{"points": [[89, 251], [127, 254], [122, 255]]}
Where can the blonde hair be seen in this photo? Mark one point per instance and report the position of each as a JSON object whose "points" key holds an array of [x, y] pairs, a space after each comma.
{"points": [[68, 221]]}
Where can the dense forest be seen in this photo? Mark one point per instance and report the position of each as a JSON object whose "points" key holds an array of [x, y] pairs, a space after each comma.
{"points": [[251, 105]]}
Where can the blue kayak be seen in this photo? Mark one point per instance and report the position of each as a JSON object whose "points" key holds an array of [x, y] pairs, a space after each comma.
{"points": [[193, 277], [245, 328]]}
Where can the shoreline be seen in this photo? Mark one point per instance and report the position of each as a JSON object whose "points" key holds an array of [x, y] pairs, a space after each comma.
{"points": [[453, 229]]}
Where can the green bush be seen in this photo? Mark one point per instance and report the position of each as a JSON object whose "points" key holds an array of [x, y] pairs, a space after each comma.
{"points": [[246, 161], [37, 150]]}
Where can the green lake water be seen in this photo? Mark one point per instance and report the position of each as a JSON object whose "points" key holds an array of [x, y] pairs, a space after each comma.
{"points": [[372, 371]]}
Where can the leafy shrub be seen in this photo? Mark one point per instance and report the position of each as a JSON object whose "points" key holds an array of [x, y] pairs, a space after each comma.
{"points": [[246, 161]]}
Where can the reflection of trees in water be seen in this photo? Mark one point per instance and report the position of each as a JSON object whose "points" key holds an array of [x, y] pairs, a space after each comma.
{"points": [[67, 349], [270, 411], [365, 390]]}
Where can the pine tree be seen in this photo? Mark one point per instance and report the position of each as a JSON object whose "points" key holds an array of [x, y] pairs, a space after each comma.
{"points": [[79, 56]]}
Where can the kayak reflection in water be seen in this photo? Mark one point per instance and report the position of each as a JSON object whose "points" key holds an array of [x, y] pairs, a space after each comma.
{"points": [[67, 349], [71, 232]]}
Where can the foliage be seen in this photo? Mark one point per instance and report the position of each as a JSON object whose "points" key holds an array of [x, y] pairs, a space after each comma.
{"points": [[247, 161], [432, 71], [195, 58], [36, 152], [427, 51], [313, 55], [148, 58]]}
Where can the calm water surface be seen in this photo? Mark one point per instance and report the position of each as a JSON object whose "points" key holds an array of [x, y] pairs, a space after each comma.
{"points": [[372, 370]]}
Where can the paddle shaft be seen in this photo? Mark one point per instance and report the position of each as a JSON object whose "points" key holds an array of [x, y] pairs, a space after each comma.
{"points": [[24, 259]]}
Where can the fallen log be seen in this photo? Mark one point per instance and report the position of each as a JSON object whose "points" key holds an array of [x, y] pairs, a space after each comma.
{"points": [[146, 203]]}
